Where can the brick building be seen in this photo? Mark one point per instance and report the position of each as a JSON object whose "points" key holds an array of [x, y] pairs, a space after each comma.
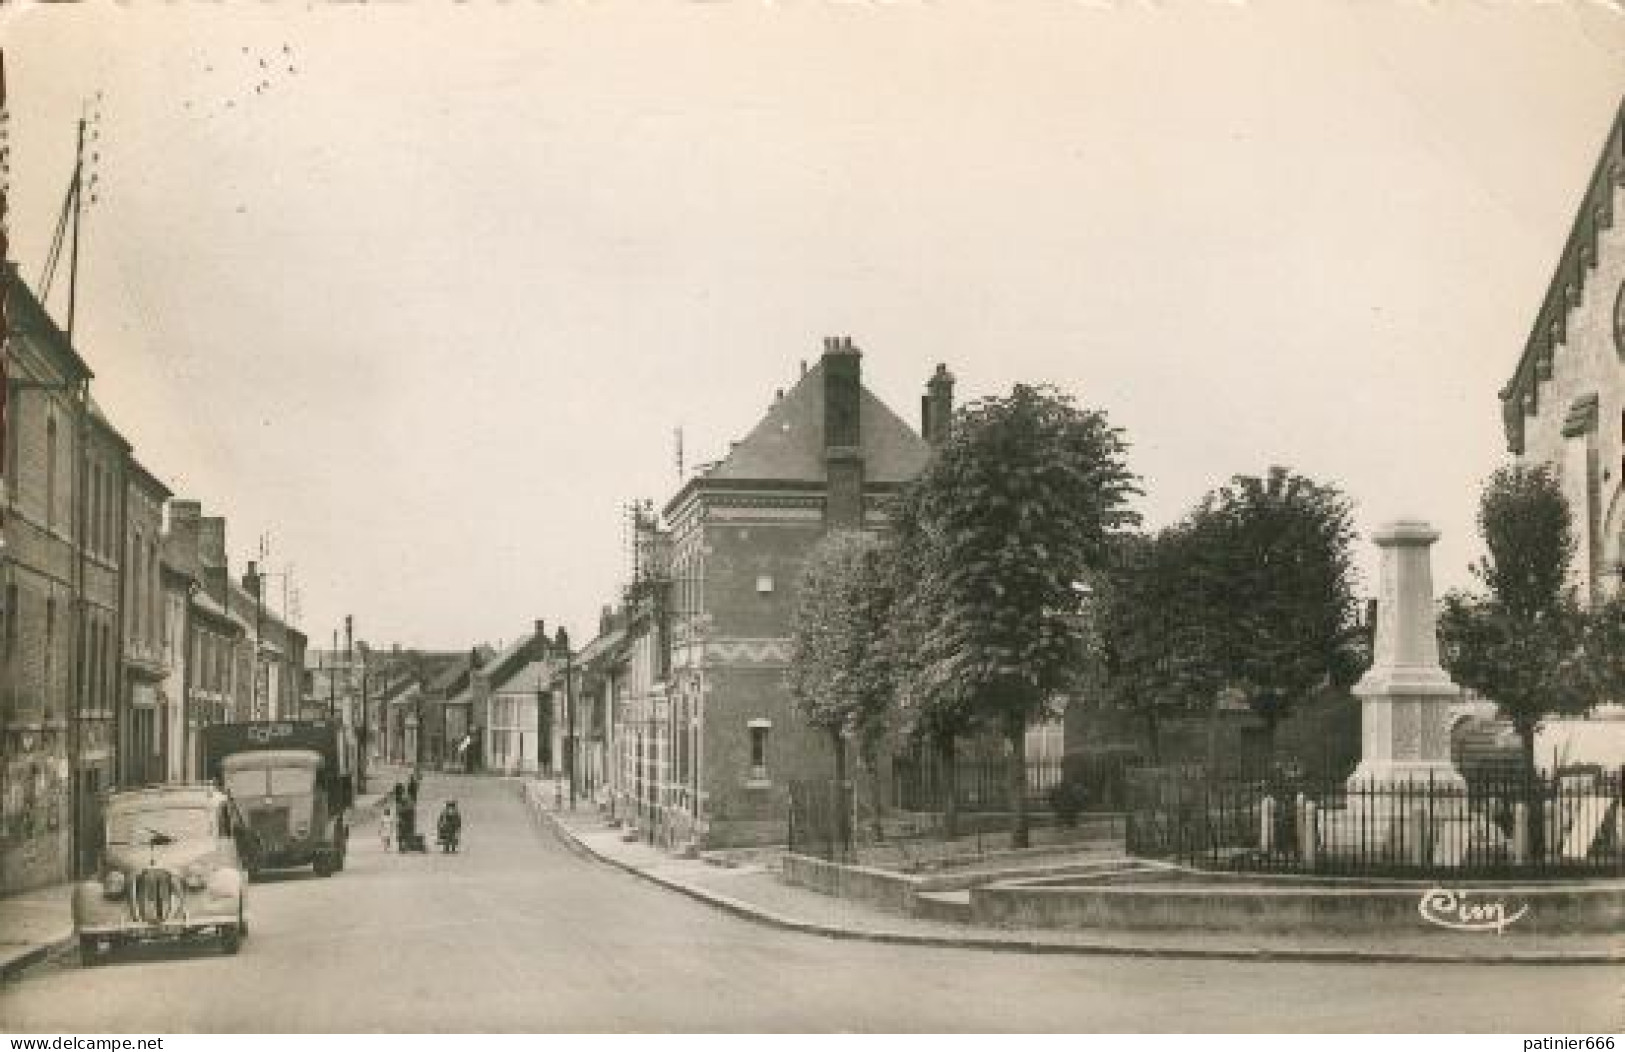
{"points": [[175, 728], [707, 738], [194, 552], [143, 703], [1565, 402], [41, 574]]}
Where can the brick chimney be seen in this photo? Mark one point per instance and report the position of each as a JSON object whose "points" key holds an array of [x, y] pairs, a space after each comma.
{"points": [[937, 406], [538, 642], [251, 579], [212, 557], [843, 435], [181, 543]]}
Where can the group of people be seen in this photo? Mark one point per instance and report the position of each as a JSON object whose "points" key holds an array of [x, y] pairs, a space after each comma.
{"points": [[399, 819]]}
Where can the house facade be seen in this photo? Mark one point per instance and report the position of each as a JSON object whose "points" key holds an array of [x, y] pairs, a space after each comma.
{"points": [[707, 739], [503, 696], [1565, 402], [144, 703], [40, 572]]}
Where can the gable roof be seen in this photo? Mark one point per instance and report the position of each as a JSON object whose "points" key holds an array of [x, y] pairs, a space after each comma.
{"points": [[523, 679], [787, 444], [1579, 255], [514, 654]]}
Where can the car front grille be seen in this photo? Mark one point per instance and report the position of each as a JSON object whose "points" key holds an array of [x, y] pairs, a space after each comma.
{"points": [[156, 897], [270, 826]]}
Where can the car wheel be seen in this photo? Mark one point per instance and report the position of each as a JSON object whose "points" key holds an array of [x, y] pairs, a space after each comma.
{"points": [[242, 922], [89, 952], [323, 865], [231, 938]]}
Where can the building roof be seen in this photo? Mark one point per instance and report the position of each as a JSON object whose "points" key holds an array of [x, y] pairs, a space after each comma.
{"points": [[202, 603], [603, 648], [1579, 255], [28, 317], [524, 678], [404, 696], [509, 658], [105, 426], [141, 476], [788, 443]]}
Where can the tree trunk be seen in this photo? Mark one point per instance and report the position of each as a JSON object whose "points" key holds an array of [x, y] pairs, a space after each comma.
{"points": [[1272, 720], [946, 755], [1153, 734], [869, 757], [839, 801], [1535, 800], [1213, 736], [1017, 732]]}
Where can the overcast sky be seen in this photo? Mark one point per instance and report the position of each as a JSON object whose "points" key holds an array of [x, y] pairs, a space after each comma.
{"points": [[422, 291]]}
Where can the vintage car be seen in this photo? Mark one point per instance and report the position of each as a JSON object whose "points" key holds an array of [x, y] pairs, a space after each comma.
{"points": [[174, 865]]}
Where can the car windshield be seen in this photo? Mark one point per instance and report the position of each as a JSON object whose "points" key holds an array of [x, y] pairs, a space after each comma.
{"points": [[274, 781], [290, 781], [158, 825]]}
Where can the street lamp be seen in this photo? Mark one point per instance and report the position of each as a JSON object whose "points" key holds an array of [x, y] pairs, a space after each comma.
{"points": [[562, 642]]}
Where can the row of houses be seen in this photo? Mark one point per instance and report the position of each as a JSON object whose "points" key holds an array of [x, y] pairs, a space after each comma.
{"points": [[675, 716], [122, 630]]}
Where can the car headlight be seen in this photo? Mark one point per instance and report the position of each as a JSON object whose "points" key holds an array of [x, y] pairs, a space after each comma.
{"points": [[225, 882], [196, 879], [301, 829], [113, 883]]}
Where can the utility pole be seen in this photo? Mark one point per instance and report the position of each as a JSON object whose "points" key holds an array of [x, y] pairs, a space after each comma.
{"points": [[562, 641], [333, 675]]}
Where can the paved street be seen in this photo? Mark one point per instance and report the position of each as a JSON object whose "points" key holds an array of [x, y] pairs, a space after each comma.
{"points": [[522, 934]]}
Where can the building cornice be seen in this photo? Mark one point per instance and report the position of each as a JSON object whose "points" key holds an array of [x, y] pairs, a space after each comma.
{"points": [[1519, 398]]}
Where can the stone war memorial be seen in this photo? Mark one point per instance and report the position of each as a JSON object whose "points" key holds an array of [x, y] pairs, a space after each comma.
{"points": [[1406, 841]]}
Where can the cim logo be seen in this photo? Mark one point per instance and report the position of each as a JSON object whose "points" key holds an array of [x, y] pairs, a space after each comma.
{"points": [[1451, 909], [269, 732]]}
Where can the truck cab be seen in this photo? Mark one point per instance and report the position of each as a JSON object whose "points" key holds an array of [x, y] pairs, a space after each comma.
{"points": [[276, 791], [291, 782]]}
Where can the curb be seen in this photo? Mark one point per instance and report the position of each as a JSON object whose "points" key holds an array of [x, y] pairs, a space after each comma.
{"points": [[1323, 955], [14, 965]]}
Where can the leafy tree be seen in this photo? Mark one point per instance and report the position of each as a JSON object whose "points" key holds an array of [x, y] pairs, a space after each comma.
{"points": [[934, 707], [1153, 657], [840, 673], [1602, 644], [1271, 572], [1521, 643], [1014, 509]]}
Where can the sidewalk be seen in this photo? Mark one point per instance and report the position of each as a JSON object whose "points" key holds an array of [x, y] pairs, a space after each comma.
{"points": [[32, 924], [753, 891]]}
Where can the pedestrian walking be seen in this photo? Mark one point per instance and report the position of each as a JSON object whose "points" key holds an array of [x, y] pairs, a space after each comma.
{"points": [[386, 822]]}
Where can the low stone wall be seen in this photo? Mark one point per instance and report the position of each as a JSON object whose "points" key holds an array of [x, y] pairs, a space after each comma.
{"points": [[877, 886], [900, 891], [1512, 909]]}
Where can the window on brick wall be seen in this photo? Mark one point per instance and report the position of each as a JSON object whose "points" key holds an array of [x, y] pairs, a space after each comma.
{"points": [[758, 749], [109, 670], [138, 586], [155, 594], [50, 472], [95, 489], [50, 652]]}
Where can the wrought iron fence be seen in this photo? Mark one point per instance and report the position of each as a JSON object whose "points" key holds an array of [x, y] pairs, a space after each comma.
{"points": [[821, 819], [1524, 825], [920, 783]]}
